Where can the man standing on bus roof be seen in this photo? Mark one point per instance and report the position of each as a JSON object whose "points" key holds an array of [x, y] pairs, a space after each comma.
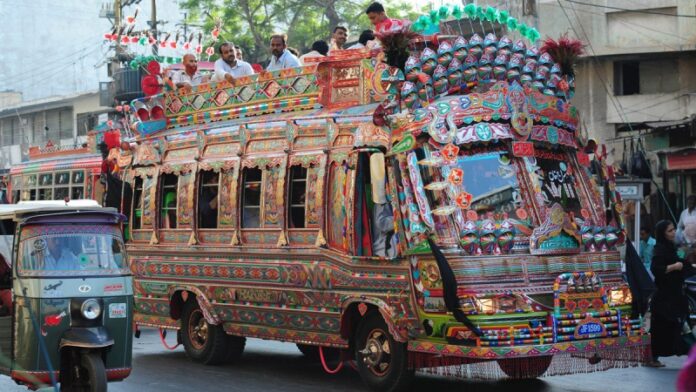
{"points": [[281, 58], [189, 76], [378, 17], [228, 67]]}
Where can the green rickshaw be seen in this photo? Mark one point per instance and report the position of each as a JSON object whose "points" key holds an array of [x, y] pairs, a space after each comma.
{"points": [[67, 296]]}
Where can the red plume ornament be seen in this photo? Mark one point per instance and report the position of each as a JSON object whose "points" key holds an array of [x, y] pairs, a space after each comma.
{"points": [[565, 52]]}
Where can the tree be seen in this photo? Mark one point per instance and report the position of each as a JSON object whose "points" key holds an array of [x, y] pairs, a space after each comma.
{"points": [[250, 23]]}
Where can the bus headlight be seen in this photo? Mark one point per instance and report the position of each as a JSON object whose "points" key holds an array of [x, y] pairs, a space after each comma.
{"points": [[90, 309], [620, 296]]}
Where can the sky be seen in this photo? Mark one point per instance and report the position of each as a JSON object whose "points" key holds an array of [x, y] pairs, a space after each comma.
{"points": [[52, 47]]}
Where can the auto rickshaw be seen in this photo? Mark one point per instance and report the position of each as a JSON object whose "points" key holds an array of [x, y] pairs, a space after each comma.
{"points": [[66, 316]]}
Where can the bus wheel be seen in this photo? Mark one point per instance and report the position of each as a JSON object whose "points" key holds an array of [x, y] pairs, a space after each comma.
{"points": [[521, 368], [205, 343], [382, 361]]}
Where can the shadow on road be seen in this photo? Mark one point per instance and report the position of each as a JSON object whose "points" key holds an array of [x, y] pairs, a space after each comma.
{"points": [[280, 367]]}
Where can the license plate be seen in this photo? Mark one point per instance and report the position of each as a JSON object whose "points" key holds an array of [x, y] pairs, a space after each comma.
{"points": [[589, 328], [117, 310]]}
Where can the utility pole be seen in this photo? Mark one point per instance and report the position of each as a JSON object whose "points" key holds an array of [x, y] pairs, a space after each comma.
{"points": [[153, 24], [117, 23]]}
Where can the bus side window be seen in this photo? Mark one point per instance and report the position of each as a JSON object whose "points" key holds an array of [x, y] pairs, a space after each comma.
{"points": [[168, 201], [77, 191], [297, 198], [251, 198], [137, 214], [208, 199]]}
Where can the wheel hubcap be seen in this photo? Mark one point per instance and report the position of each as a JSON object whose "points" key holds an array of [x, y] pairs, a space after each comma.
{"points": [[377, 352], [198, 330]]}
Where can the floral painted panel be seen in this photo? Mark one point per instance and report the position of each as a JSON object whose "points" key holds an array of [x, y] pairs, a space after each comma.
{"points": [[228, 197], [185, 196]]}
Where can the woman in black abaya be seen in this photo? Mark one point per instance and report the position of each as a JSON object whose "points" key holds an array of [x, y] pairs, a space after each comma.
{"points": [[669, 304]]}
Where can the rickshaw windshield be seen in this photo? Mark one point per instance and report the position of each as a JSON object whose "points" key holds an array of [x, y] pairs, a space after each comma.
{"points": [[58, 254]]}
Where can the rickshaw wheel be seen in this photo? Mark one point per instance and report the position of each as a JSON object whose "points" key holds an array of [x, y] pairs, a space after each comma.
{"points": [[87, 375], [382, 361], [207, 343], [94, 367]]}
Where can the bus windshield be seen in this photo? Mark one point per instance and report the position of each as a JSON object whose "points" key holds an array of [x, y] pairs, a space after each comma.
{"points": [[478, 184], [57, 254], [554, 178]]}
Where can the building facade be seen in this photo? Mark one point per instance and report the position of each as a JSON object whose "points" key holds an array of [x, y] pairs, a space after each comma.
{"points": [[62, 121], [636, 84]]}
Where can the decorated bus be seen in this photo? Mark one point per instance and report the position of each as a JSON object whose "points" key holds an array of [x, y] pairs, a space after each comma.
{"points": [[56, 172], [430, 206]]}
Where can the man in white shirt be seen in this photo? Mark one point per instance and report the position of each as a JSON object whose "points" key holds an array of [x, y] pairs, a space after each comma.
{"points": [[281, 58], [190, 75], [59, 256], [686, 228], [319, 49], [339, 38], [228, 67], [366, 37]]}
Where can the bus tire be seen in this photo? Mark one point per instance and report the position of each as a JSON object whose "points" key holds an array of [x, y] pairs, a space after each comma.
{"points": [[203, 342], [382, 361], [236, 346], [525, 368]]}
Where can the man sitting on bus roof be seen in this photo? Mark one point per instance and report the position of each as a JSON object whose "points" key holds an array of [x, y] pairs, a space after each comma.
{"points": [[190, 75], [228, 66], [281, 58]]}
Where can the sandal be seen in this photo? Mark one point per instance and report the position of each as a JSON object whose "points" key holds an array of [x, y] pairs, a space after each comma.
{"points": [[655, 364]]}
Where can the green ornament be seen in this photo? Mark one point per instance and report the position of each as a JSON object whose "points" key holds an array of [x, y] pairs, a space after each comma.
{"points": [[512, 23], [523, 28], [444, 12], [434, 17], [480, 13], [533, 34], [491, 14], [142, 41], [470, 10], [457, 12], [503, 17], [133, 64]]}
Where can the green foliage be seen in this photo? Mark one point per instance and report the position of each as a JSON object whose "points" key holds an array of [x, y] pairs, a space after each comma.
{"points": [[250, 23]]}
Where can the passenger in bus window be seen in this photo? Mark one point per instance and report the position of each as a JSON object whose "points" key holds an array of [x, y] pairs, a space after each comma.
{"points": [[208, 203], [383, 238], [169, 213]]}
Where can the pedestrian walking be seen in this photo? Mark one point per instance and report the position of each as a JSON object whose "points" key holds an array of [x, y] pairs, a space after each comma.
{"points": [[669, 304]]}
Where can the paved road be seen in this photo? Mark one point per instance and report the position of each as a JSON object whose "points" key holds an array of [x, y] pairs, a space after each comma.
{"points": [[273, 366]]}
